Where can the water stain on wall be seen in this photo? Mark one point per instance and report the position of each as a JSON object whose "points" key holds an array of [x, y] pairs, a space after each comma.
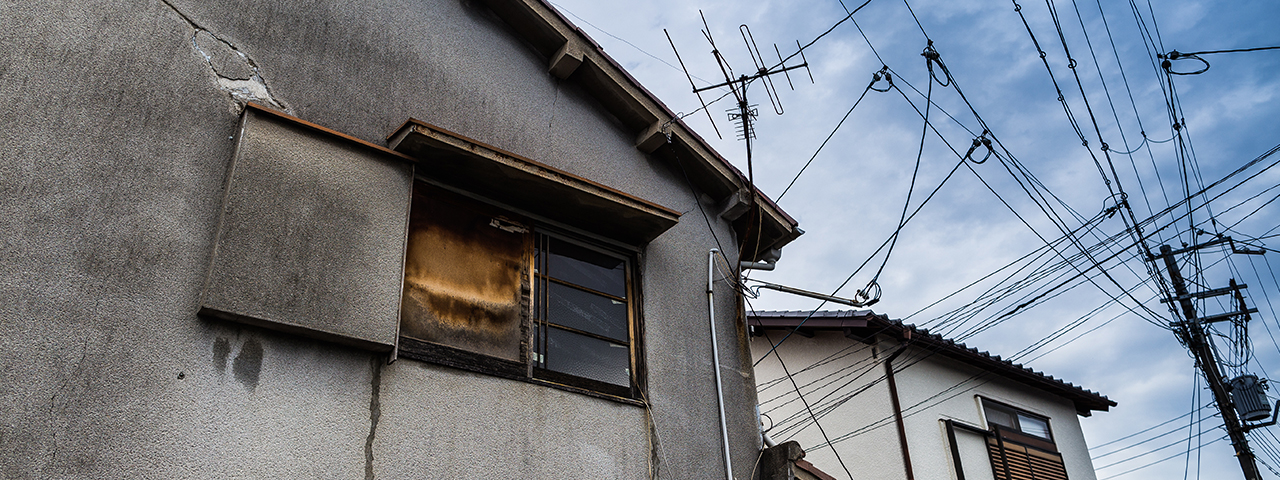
{"points": [[221, 351], [248, 363]]}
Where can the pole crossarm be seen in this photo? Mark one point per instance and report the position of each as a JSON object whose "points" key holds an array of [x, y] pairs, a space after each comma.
{"points": [[1191, 333]]}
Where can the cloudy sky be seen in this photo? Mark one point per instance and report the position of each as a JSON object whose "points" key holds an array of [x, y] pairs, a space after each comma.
{"points": [[1045, 183]]}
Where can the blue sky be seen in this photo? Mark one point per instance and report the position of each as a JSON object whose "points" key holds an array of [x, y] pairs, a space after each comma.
{"points": [[849, 200]]}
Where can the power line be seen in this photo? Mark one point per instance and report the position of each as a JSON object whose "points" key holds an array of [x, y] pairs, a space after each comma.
{"points": [[875, 78], [1148, 429], [1171, 457], [806, 403], [1174, 54], [620, 39]]}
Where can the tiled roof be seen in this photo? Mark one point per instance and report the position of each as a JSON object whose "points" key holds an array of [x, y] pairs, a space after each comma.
{"points": [[1085, 400]]}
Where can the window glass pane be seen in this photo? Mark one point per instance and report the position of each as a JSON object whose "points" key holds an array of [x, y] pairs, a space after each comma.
{"points": [[1000, 417], [585, 311], [587, 357], [574, 264], [1033, 426]]}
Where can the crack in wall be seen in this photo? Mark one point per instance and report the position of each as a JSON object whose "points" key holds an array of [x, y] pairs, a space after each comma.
{"points": [[375, 413], [234, 71], [60, 411]]}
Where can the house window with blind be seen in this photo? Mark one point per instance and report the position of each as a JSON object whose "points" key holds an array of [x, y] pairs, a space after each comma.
{"points": [[1021, 444]]}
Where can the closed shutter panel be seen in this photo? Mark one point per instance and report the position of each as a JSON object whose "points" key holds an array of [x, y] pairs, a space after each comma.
{"points": [[312, 236], [1010, 461]]}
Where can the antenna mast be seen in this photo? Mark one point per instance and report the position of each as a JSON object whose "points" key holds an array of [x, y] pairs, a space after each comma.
{"points": [[744, 113]]}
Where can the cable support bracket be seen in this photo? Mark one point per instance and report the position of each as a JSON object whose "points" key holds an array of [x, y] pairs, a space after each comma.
{"points": [[883, 74], [1167, 64], [859, 299], [931, 57], [983, 141]]}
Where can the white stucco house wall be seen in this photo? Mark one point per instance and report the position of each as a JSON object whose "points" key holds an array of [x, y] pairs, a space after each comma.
{"points": [[898, 402]]}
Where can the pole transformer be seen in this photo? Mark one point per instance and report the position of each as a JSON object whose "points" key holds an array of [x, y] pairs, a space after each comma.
{"points": [[1191, 332]]}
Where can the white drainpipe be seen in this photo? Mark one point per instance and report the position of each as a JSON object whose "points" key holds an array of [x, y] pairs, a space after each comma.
{"points": [[715, 360]]}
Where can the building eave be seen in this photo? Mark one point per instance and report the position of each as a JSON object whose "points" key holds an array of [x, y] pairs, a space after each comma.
{"points": [[1085, 401], [573, 56]]}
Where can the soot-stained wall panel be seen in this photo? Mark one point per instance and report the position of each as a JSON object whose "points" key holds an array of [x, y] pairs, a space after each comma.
{"points": [[466, 276], [312, 235]]}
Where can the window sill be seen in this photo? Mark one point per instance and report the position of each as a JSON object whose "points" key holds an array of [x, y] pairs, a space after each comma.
{"points": [[419, 350]]}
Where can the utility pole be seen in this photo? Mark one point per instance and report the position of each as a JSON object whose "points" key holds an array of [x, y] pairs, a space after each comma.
{"points": [[1191, 333]]}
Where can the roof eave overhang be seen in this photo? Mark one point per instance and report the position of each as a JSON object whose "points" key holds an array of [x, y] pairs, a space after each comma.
{"points": [[574, 57], [870, 324]]}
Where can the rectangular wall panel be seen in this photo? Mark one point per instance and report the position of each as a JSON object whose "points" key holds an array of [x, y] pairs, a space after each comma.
{"points": [[312, 235]]}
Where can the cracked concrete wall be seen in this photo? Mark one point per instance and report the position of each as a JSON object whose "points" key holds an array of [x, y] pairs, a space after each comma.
{"points": [[120, 131]]}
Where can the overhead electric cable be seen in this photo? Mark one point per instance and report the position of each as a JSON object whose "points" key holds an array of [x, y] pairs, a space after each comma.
{"points": [[875, 78], [806, 405], [1148, 429], [1234, 50]]}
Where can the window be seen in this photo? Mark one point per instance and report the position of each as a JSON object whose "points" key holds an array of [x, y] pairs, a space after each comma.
{"points": [[1017, 420], [1021, 445], [582, 314], [522, 271], [491, 291]]}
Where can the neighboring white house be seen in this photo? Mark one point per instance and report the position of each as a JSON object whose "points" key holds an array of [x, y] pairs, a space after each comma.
{"points": [[898, 402]]}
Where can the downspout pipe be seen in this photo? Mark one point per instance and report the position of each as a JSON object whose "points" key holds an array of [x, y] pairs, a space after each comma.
{"points": [[715, 359], [897, 412]]}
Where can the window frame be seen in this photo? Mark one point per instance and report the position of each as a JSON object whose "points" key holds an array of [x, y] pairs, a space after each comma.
{"points": [[525, 369], [1015, 432], [538, 320], [1016, 454]]}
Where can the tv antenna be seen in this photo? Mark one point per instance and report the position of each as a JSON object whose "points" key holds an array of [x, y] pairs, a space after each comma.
{"points": [[744, 113]]}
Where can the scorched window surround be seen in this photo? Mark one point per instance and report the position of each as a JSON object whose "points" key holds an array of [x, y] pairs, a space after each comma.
{"points": [[492, 291], [518, 199]]}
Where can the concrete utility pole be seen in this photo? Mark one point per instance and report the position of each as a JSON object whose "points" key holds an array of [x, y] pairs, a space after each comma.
{"points": [[1191, 332]]}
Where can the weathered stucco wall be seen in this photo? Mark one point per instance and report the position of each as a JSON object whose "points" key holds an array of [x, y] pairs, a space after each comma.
{"points": [[874, 451], [121, 126]]}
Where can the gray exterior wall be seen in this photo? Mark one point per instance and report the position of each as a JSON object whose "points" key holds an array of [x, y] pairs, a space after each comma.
{"points": [[874, 451], [122, 122]]}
